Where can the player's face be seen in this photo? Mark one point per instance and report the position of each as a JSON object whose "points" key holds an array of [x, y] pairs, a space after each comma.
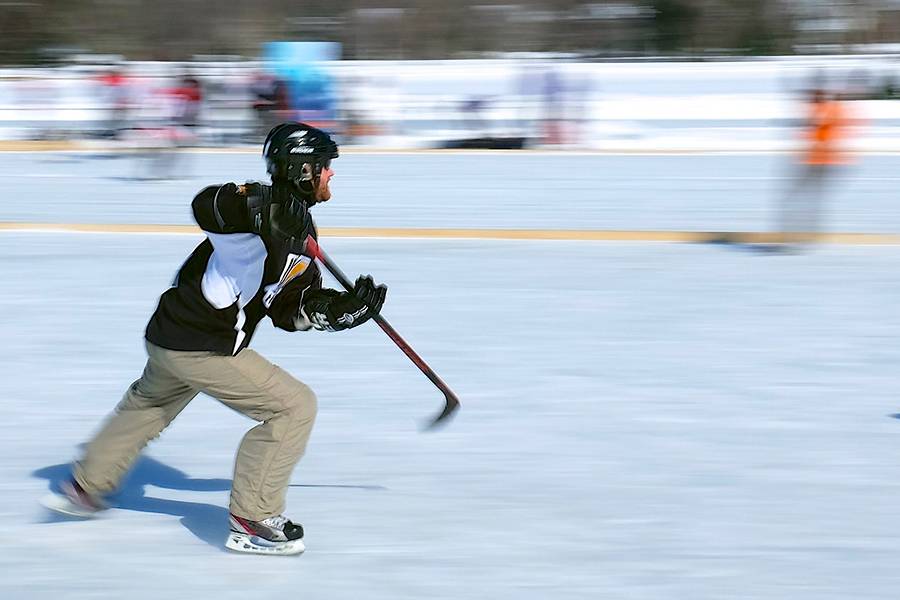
{"points": [[323, 192]]}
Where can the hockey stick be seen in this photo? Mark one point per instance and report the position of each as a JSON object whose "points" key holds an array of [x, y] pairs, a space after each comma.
{"points": [[451, 402]]}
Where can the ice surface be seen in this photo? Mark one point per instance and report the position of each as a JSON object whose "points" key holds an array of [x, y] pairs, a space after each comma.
{"points": [[553, 190], [640, 421]]}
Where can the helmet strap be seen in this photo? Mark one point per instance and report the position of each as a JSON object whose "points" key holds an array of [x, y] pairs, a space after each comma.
{"points": [[303, 187]]}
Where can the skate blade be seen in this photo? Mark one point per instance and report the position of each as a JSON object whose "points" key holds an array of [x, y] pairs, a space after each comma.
{"points": [[241, 542], [63, 505]]}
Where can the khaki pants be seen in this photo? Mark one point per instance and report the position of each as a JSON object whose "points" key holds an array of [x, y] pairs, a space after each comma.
{"points": [[248, 383]]}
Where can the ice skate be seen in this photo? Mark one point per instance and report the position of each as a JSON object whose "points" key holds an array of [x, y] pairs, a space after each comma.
{"points": [[275, 535], [73, 501]]}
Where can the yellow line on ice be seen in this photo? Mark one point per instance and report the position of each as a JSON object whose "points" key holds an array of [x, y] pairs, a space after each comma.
{"points": [[599, 235]]}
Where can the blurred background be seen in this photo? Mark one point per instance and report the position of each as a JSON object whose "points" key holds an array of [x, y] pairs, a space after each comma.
{"points": [[424, 74], [642, 418]]}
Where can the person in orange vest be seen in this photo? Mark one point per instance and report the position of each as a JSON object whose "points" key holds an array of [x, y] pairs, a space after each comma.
{"points": [[825, 131]]}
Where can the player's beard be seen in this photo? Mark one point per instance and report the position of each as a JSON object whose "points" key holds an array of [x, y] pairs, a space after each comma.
{"points": [[323, 193]]}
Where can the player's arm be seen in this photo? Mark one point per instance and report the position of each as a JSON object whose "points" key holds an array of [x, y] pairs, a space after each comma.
{"points": [[286, 309], [223, 209], [250, 208], [331, 310], [304, 304]]}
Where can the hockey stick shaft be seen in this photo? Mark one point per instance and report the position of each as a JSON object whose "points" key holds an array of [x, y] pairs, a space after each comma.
{"points": [[451, 402]]}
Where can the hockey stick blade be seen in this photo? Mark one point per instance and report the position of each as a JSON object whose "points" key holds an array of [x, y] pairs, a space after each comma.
{"points": [[451, 402], [450, 405]]}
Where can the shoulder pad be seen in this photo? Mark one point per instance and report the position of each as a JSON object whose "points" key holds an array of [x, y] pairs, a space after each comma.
{"points": [[254, 188], [257, 194]]}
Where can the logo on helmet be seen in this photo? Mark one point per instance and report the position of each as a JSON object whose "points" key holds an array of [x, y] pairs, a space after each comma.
{"points": [[301, 150]]}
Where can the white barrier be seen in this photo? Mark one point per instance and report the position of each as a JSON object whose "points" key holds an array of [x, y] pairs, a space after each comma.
{"points": [[747, 104]]}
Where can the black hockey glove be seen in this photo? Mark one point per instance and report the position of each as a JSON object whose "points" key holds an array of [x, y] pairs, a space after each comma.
{"points": [[275, 212], [331, 310]]}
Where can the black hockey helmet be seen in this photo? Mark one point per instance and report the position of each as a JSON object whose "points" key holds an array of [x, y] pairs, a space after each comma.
{"points": [[298, 152]]}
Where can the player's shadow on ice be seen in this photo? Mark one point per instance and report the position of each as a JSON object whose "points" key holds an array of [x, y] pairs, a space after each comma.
{"points": [[206, 521], [729, 241]]}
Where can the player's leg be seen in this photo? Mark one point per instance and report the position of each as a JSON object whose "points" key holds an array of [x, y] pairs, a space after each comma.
{"points": [[148, 406], [286, 410]]}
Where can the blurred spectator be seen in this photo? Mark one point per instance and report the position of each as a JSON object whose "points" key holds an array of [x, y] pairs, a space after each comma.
{"points": [[889, 90], [271, 102], [562, 103], [825, 131], [162, 112], [473, 109], [553, 108], [116, 92], [188, 96]]}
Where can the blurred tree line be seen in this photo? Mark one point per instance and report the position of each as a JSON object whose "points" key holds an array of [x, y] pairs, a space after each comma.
{"points": [[44, 30]]}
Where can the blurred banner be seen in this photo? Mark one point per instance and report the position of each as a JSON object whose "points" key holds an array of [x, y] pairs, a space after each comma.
{"points": [[308, 85]]}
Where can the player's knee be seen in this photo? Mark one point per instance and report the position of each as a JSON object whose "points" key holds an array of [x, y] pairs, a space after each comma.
{"points": [[134, 398], [304, 404]]}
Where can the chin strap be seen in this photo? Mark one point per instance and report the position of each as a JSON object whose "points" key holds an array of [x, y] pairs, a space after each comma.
{"points": [[283, 190], [301, 190]]}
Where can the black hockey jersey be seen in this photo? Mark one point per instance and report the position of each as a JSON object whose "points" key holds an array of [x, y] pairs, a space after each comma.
{"points": [[232, 280]]}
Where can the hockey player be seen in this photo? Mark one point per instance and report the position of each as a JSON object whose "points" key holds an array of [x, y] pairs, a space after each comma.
{"points": [[253, 264]]}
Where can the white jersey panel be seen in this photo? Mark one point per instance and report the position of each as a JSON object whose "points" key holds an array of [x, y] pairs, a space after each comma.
{"points": [[235, 269]]}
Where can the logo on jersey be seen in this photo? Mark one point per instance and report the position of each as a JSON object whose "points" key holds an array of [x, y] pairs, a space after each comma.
{"points": [[294, 266]]}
